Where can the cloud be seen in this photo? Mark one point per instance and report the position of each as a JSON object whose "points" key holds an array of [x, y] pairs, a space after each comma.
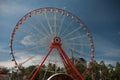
{"points": [[106, 50], [3, 49], [5, 57], [27, 40], [8, 64], [4, 53], [28, 58], [13, 8], [107, 62], [23, 58], [118, 33], [113, 52]]}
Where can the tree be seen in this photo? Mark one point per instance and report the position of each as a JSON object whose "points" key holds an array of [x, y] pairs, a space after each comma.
{"points": [[117, 70], [4, 70], [95, 68], [104, 70], [80, 67]]}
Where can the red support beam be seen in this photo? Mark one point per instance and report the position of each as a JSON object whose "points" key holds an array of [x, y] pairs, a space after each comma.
{"points": [[65, 64], [74, 69], [68, 64], [39, 67]]}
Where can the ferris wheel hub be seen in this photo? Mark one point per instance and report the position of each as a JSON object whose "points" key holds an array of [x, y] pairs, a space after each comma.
{"points": [[57, 40]]}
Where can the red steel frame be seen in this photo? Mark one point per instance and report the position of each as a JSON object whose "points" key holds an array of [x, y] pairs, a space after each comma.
{"points": [[68, 64]]}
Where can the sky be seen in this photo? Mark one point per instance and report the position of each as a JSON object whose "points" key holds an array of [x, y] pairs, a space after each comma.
{"points": [[102, 17]]}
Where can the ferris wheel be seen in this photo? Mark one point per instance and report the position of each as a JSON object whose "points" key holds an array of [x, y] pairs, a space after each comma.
{"points": [[51, 36]]}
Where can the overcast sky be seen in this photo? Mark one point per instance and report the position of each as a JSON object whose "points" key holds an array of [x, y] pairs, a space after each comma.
{"points": [[102, 18]]}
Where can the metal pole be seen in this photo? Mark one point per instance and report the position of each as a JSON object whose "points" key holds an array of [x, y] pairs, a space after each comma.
{"points": [[39, 67]]}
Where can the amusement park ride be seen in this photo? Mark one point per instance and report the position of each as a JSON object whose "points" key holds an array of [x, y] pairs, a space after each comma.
{"points": [[51, 35]]}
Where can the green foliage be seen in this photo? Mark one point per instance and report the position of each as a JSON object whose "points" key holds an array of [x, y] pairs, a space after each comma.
{"points": [[45, 72], [4, 70], [103, 72], [117, 70], [88, 76], [80, 67], [98, 71]]}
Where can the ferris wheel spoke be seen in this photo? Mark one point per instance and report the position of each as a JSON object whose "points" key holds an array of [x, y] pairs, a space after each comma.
{"points": [[28, 32], [74, 50], [48, 23], [32, 57], [42, 25], [28, 59], [35, 27], [70, 33], [61, 25], [55, 33], [67, 27], [28, 49], [76, 37], [80, 44], [80, 52], [30, 41], [32, 34]]}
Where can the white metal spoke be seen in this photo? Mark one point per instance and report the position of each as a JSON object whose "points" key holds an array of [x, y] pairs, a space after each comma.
{"points": [[61, 25], [70, 33], [74, 50], [46, 70], [30, 41], [28, 49], [55, 33], [80, 44], [48, 23], [67, 27], [42, 25], [76, 37], [28, 59], [80, 52], [35, 27], [28, 32]]}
